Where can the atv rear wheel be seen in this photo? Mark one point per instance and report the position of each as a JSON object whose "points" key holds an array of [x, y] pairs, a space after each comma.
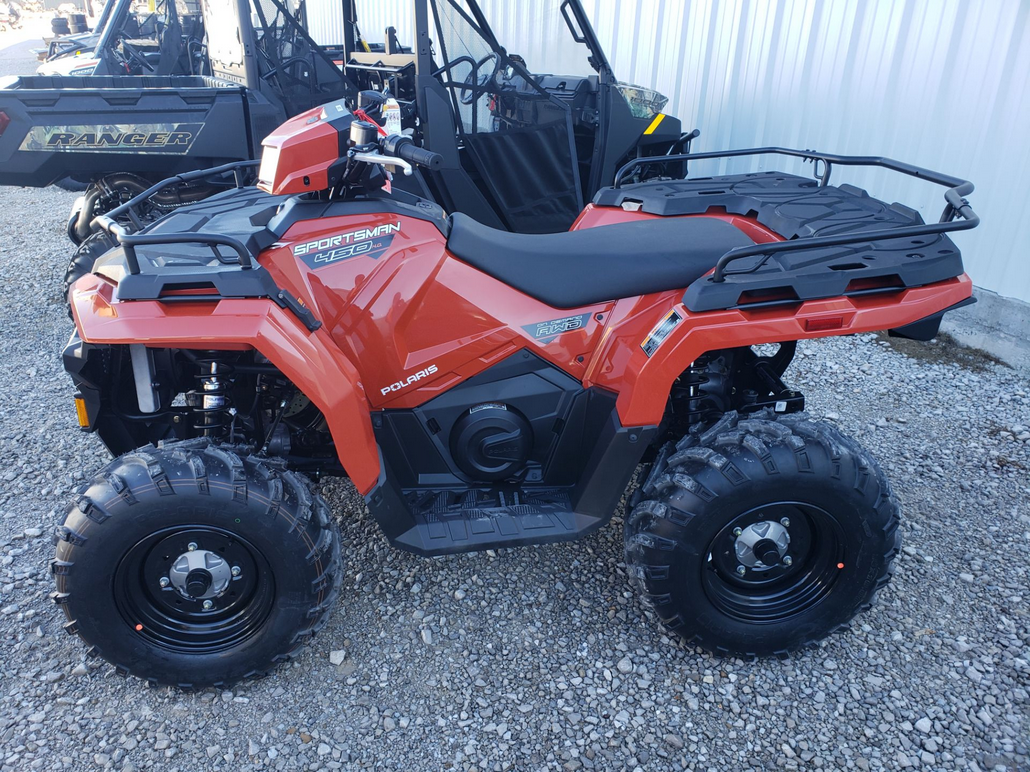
{"points": [[762, 534], [194, 564]]}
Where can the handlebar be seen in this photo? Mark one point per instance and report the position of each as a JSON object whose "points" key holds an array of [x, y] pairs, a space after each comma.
{"points": [[405, 149]]}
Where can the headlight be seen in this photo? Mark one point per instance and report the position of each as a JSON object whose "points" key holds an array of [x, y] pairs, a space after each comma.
{"points": [[643, 102]]}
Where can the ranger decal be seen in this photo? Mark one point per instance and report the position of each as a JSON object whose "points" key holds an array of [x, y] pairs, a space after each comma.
{"points": [[146, 138]]}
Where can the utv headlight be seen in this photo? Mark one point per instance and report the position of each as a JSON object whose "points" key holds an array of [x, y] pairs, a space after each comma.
{"points": [[643, 102]]}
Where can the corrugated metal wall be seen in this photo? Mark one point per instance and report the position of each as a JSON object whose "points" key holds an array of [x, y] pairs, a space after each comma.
{"points": [[940, 83]]}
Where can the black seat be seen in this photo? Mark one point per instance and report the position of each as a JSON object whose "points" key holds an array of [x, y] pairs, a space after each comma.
{"points": [[579, 268]]}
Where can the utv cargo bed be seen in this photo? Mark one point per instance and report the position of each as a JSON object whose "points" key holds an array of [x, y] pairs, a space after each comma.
{"points": [[837, 240], [58, 127]]}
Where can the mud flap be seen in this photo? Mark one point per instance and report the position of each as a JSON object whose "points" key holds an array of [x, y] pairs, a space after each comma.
{"points": [[928, 327]]}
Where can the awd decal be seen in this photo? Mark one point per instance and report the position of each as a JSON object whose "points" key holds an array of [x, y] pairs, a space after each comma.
{"points": [[369, 242], [660, 332], [413, 378], [551, 329], [156, 138]]}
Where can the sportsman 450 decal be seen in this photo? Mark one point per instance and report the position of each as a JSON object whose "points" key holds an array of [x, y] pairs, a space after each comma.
{"points": [[369, 242], [156, 138], [413, 378]]}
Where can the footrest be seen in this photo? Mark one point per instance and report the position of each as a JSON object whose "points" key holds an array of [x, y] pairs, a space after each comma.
{"points": [[448, 521]]}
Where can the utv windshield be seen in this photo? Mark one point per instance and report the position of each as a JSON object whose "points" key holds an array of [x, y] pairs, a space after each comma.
{"points": [[74, 44], [374, 18], [545, 34], [224, 46]]}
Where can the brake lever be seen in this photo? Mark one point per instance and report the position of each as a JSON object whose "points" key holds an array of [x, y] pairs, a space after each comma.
{"points": [[387, 161]]}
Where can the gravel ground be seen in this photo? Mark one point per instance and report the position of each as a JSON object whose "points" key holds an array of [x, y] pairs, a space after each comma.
{"points": [[541, 658]]}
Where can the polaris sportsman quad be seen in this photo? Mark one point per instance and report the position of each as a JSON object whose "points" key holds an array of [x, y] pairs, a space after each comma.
{"points": [[481, 389]]}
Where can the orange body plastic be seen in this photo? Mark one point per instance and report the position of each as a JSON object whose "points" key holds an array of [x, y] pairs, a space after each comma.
{"points": [[403, 326]]}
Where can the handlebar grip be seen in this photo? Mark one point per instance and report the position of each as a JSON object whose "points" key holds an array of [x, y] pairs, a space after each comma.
{"points": [[405, 149]]}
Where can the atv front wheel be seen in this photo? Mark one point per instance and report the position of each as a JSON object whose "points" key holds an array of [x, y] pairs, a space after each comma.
{"points": [[194, 564], [762, 534]]}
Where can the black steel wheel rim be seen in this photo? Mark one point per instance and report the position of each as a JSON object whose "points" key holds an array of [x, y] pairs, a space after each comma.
{"points": [[781, 592], [167, 618]]}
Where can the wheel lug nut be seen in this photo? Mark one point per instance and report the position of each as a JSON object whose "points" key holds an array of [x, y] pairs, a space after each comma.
{"points": [[788, 560], [165, 581], [192, 546], [236, 571], [737, 532], [208, 605], [741, 570], [785, 522]]}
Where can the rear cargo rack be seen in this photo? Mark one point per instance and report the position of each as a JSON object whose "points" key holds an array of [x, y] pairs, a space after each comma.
{"points": [[956, 205], [253, 281]]}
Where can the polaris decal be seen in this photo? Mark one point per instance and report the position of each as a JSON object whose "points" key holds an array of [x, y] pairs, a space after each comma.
{"points": [[413, 378], [367, 242], [549, 330], [660, 332], [145, 138]]}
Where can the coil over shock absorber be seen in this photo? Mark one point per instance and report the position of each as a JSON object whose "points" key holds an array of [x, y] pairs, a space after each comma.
{"points": [[211, 402]]}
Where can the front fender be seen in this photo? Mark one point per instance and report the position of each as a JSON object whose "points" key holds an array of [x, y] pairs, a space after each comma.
{"points": [[311, 361]]}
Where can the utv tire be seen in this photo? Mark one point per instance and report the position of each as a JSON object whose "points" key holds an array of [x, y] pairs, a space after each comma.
{"points": [[85, 256], [809, 499], [163, 532], [71, 184]]}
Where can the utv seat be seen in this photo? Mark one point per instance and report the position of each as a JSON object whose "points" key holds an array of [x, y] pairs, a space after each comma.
{"points": [[580, 268]]}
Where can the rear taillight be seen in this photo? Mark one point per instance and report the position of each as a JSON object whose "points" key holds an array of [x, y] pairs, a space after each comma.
{"points": [[824, 323], [5, 121]]}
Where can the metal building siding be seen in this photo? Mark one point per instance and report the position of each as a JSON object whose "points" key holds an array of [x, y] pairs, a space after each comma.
{"points": [[940, 83]]}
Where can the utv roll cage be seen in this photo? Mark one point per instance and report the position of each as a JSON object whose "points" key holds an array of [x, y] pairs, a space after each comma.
{"points": [[178, 37], [524, 148]]}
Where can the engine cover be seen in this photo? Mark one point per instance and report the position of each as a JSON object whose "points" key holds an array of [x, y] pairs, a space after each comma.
{"points": [[491, 441]]}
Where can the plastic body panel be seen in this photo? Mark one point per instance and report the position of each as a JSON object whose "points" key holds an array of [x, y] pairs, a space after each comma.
{"points": [[310, 360]]}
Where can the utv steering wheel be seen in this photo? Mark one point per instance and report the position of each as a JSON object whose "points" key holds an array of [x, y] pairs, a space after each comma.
{"points": [[133, 54], [474, 83]]}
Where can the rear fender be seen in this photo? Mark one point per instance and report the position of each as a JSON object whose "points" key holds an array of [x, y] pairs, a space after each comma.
{"points": [[643, 382], [311, 361]]}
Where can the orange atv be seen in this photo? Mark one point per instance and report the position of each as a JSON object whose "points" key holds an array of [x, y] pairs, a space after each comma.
{"points": [[481, 389]]}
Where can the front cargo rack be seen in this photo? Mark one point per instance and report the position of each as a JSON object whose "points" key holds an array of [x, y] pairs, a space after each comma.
{"points": [[250, 280], [796, 207]]}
